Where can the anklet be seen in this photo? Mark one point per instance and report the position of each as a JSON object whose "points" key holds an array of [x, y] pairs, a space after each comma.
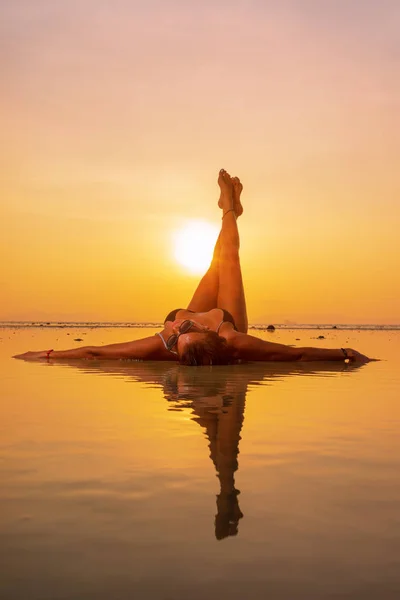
{"points": [[228, 211]]}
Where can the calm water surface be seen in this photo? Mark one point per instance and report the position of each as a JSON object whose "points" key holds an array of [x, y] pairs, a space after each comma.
{"points": [[149, 480]]}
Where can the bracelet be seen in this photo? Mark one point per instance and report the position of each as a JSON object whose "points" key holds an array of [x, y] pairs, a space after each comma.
{"points": [[228, 211], [49, 352], [346, 356]]}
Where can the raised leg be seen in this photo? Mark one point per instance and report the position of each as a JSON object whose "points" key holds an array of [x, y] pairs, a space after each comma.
{"points": [[231, 295], [206, 295]]}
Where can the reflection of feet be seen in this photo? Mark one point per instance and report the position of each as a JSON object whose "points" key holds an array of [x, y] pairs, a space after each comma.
{"points": [[228, 515], [237, 190], [226, 198]]}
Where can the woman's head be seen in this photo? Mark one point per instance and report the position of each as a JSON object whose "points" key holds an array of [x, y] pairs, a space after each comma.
{"points": [[208, 348]]}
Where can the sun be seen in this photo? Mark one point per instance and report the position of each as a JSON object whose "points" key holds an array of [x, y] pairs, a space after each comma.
{"points": [[194, 245]]}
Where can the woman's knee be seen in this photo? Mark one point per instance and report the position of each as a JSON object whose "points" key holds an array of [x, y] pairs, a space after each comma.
{"points": [[231, 255]]}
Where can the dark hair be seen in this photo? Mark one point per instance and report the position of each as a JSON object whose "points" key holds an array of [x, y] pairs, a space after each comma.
{"points": [[211, 349]]}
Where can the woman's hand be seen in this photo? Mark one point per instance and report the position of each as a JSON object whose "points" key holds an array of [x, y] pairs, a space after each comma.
{"points": [[33, 355], [355, 356]]}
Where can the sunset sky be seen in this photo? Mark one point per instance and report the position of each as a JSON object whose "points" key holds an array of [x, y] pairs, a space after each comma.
{"points": [[116, 117]]}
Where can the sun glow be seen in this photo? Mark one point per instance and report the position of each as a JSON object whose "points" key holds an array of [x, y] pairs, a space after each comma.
{"points": [[194, 245]]}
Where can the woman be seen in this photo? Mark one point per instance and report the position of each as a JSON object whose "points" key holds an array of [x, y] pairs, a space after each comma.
{"points": [[213, 328]]}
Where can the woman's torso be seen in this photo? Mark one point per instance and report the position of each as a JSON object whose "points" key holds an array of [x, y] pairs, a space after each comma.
{"points": [[214, 319]]}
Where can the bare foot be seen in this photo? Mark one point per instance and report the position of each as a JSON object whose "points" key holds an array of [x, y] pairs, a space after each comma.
{"points": [[225, 183], [237, 190]]}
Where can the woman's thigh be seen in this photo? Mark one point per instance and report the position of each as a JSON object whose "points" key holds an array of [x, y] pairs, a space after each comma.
{"points": [[231, 295]]}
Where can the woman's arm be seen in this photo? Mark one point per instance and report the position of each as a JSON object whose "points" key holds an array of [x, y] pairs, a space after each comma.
{"points": [[249, 347], [150, 348]]}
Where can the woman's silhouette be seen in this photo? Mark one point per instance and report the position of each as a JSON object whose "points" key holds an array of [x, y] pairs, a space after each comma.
{"points": [[213, 328]]}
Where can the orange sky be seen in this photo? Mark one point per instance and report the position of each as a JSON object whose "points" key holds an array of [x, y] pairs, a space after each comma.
{"points": [[116, 117]]}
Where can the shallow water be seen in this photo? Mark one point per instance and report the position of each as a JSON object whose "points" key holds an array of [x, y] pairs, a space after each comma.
{"points": [[149, 480]]}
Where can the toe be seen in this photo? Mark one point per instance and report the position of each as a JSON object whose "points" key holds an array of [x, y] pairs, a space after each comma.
{"points": [[237, 185]]}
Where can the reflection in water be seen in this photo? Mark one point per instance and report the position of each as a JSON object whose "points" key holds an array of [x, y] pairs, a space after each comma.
{"points": [[217, 404], [216, 397]]}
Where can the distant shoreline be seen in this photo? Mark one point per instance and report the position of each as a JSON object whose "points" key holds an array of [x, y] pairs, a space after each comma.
{"points": [[156, 325]]}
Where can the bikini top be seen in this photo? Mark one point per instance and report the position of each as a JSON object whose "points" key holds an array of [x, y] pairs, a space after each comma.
{"points": [[226, 317]]}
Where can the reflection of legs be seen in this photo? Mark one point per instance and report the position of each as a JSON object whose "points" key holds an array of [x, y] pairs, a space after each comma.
{"points": [[231, 292], [224, 453], [222, 416], [218, 405]]}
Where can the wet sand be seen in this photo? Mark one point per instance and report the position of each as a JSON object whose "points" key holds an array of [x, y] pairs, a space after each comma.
{"points": [[150, 480]]}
